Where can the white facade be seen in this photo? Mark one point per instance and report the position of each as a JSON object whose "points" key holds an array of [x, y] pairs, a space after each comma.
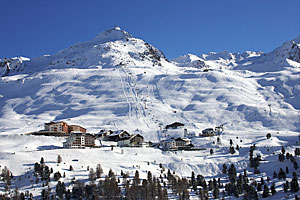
{"points": [[172, 144], [75, 141]]}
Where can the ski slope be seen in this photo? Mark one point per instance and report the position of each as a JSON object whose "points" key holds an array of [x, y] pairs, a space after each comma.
{"points": [[116, 81]]}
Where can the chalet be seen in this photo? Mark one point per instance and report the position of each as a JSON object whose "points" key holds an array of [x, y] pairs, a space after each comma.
{"points": [[116, 136], [174, 125], [208, 132], [104, 133], [79, 141], [132, 141], [176, 144]]}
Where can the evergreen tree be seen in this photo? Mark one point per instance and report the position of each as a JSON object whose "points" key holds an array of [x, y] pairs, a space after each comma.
{"points": [[282, 150], [294, 183], [273, 190], [99, 171], [286, 187], [57, 176], [266, 191], [274, 174], [92, 175], [110, 173], [149, 176], [232, 173], [281, 174], [59, 159], [297, 151], [224, 170], [250, 193], [259, 187], [71, 168], [211, 151], [136, 179], [193, 180], [281, 157], [262, 181], [231, 150], [42, 161], [216, 193]]}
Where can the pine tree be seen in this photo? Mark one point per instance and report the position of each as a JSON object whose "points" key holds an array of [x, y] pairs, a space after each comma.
{"points": [[57, 176], [99, 171], [281, 157], [232, 173], [42, 161], [224, 170], [266, 192], [71, 168], [110, 173], [273, 190], [297, 151], [59, 159], [211, 151], [274, 174], [149, 176], [216, 193], [286, 187], [282, 150], [259, 187], [294, 183], [136, 179], [262, 181], [281, 174], [231, 150], [92, 175], [193, 180]]}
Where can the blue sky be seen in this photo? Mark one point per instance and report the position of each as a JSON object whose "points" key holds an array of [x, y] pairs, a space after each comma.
{"points": [[35, 27]]}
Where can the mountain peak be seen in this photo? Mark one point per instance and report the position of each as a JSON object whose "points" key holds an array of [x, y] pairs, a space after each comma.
{"points": [[297, 39], [110, 35]]}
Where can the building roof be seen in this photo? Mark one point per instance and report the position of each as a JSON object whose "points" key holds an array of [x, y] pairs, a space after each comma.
{"points": [[132, 136], [208, 129], [50, 123], [174, 125], [77, 126]]}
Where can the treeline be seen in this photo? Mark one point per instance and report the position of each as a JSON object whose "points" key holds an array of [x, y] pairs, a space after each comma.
{"points": [[168, 184]]}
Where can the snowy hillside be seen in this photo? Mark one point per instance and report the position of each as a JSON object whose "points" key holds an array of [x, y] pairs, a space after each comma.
{"points": [[116, 81], [120, 82]]}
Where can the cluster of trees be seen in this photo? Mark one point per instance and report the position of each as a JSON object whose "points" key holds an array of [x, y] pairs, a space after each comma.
{"points": [[111, 187], [43, 171], [179, 186], [6, 176]]}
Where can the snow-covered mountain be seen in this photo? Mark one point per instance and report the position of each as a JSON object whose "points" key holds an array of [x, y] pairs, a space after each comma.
{"points": [[117, 81]]}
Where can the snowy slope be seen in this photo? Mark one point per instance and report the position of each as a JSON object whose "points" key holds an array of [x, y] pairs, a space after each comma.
{"points": [[117, 81]]}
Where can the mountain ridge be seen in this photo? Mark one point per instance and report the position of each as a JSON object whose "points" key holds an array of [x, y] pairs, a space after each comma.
{"points": [[116, 81]]}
